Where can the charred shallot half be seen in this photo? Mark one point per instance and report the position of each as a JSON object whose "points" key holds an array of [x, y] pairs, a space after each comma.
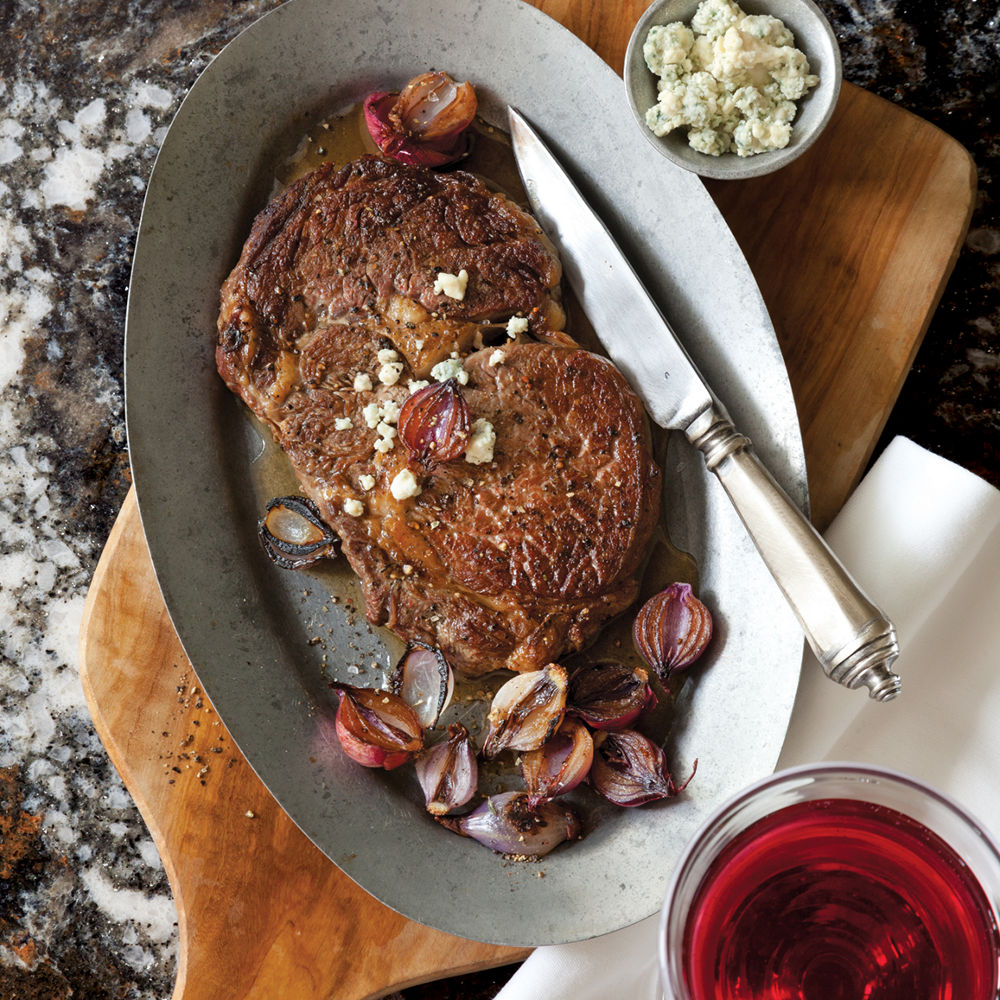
{"points": [[672, 629], [434, 423], [526, 711], [508, 824], [630, 769], [568, 729], [294, 534], [609, 695], [559, 764], [448, 772], [377, 728], [426, 123], [424, 680]]}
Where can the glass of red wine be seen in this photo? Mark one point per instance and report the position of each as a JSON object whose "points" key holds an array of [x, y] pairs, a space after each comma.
{"points": [[835, 882]]}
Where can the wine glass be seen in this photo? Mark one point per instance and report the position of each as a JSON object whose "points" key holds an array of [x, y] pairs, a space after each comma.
{"points": [[834, 882]]}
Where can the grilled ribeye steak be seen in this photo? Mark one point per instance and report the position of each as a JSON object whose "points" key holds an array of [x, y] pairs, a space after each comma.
{"points": [[507, 562]]}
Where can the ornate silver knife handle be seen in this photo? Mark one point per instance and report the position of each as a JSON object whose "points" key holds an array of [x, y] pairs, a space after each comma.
{"points": [[853, 641]]}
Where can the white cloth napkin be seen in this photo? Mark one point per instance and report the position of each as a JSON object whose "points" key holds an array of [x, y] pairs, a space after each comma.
{"points": [[922, 538]]}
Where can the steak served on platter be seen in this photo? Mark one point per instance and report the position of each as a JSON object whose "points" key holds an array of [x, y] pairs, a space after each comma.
{"points": [[348, 293]]}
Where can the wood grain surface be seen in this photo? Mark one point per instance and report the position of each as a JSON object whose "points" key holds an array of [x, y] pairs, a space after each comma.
{"points": [[262, 913], [851, 246]]}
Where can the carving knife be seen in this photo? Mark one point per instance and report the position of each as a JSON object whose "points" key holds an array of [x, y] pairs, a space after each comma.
{"points": [[854, 642]]}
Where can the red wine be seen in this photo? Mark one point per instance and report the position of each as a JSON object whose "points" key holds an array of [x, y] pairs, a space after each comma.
{"points": [[837, 899]]}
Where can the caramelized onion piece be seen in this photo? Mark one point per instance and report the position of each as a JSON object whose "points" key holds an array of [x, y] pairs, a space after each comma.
{"points": [[426, 123], [448, 772], [377, 728], [434, 423], [424, 680], [559, 764], [672, 629], [294, 534], [526, 711], [507, 823], [630, 769], [609, 695]]}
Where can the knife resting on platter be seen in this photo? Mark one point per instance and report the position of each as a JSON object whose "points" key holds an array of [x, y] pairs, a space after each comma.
{"points": [[854, 642]]}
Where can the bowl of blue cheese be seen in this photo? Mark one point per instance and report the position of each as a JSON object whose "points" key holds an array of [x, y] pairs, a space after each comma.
{"points": [[729, 89]]}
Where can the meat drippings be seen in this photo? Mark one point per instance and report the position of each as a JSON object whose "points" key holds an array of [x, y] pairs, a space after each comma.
{"points": [[469, 617]]}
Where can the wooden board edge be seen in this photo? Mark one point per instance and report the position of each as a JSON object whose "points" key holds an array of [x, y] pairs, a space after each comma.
{"points": [[957, 163], [96, 647], [88, 655]]}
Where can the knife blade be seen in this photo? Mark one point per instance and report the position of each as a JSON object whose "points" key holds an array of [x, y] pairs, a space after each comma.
{"points": [[855, 643]]}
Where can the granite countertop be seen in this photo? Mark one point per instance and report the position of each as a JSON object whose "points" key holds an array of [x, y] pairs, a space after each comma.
{"points": [[87, 91]]}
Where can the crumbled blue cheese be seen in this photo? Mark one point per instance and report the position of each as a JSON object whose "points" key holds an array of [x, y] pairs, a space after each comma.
{"points": [[452, 285], [355, 508], [496, 358], [516, 325], [362, 382], [372, 414], [389, 373], [343, 423], [367, 482], [730, 78], [482, 438], [390, 366], [404, 485], [416, 385], [450, 368], [390, 411], [386, 434], [376, 416]]}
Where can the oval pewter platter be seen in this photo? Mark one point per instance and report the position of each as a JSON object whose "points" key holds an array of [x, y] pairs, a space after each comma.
{"points": [[265, 643]]}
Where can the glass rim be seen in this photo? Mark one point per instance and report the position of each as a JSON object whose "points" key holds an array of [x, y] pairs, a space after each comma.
{"points": [[801, 773]]}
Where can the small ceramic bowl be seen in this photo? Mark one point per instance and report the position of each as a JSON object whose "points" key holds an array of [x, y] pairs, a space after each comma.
{"points": [[813, 35]]}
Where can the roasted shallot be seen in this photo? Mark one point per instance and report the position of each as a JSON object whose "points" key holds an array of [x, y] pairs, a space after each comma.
{"points": [[426, 124], [526, 710], [448, 772], [630, 769], [434, 423], [559, 764], [609, 695], [377, 728], [672, 629], [508, 824], [293, 533], [424, 680]]}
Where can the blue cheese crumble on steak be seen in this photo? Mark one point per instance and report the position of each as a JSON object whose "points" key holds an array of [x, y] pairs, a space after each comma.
{"points": [[341, 305]]}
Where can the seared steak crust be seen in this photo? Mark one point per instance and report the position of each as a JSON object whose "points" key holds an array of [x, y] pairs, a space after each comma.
{"points": [[508, 563]]}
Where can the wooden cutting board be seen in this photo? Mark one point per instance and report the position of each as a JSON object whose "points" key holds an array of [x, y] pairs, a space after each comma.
{"points": [[851, 246]]}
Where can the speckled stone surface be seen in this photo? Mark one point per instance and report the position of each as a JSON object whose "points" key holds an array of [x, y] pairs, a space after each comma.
{"points": [[87, 90]]}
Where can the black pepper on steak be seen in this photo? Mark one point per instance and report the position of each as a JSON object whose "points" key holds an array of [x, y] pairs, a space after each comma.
{"points": [[514, 561]]}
